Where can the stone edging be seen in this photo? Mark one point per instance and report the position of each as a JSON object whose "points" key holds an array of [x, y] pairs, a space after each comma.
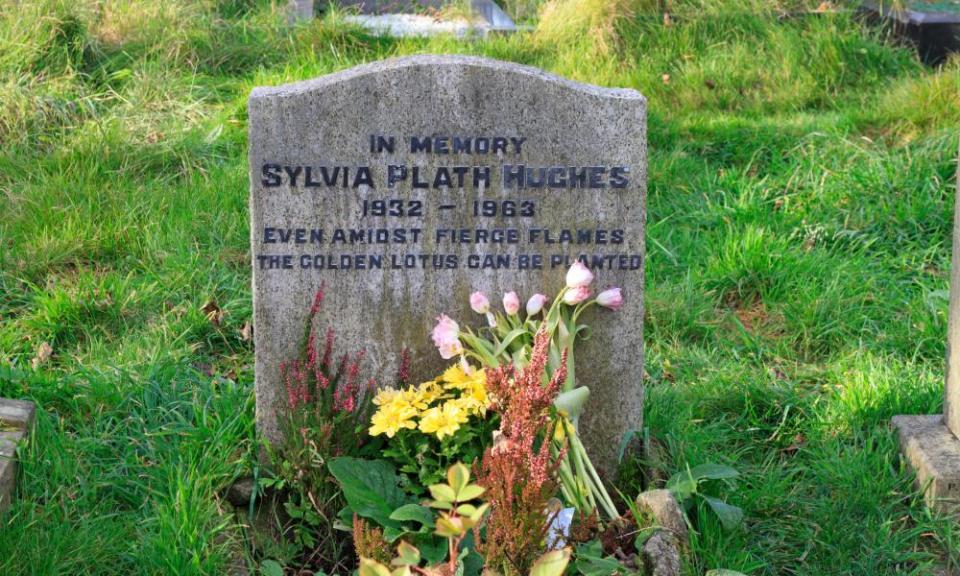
{"points": [[16, 419]]}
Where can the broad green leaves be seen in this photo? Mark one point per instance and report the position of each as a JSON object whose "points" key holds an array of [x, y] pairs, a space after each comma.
{"points": [[686, 485], [371, 487]]}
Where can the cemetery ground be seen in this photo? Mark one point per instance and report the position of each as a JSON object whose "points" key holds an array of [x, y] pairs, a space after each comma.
{"points": [[798, 240]]}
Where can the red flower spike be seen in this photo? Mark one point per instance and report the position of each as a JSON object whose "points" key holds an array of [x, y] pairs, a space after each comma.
{"points": [[317, 300]]}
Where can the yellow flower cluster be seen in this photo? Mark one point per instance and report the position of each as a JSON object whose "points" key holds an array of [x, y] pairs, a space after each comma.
{"points": [[437, 406]]}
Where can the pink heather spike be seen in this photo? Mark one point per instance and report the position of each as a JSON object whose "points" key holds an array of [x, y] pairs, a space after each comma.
{"points": [[317, 300], [328, 349], [311, 349], [403, 373]]}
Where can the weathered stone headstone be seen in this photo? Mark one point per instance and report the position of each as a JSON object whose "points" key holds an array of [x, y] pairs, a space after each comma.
{"points": [[407, 184], [299, 11], [932, 443]]}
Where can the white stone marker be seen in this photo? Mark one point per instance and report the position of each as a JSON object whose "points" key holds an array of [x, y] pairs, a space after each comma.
{"points": [[407, 184]]}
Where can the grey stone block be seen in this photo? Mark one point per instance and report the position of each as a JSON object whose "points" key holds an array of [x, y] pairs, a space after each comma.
{"points": [[8, 465], [934, 453], [665, 509], [17, 414], [661, 555]]}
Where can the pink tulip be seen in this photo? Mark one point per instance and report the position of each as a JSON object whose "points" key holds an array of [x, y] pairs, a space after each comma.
{"points": [[579, 276], [479, 303], [575, 296], [446, 337], [450, 349], [610, 298], [535, 304], [511, 303]]}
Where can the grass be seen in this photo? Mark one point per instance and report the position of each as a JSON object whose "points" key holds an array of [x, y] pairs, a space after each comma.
{"points": [[800, 202]]}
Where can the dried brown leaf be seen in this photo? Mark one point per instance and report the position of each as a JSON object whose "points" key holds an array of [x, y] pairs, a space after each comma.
{"points": [[44, 352], [213, 312]]}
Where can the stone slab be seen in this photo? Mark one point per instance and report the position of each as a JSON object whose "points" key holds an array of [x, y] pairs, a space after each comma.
{"points": [[16, 414], [393, 6], [934, 454], [519, 120], [411, 25], [8, 465]]}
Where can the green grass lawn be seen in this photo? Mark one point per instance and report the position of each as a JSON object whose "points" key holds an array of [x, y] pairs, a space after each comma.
{"points": [[800, 205]]}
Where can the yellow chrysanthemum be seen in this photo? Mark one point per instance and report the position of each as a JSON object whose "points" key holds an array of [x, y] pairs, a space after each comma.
{"points": [[414, 397], [389, 419], [455, 377], [385, 396], [474, 398], [430, 391], [443, 420]]}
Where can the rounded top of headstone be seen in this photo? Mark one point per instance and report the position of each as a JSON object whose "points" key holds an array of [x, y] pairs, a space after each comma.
{"points": [[435, 61]]}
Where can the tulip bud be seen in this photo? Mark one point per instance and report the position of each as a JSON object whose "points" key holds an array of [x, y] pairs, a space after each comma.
{"points": [[446, 337], [535, 304], [575, 296], [610, 298], [479, 303], [579, 276], [511, 303]]}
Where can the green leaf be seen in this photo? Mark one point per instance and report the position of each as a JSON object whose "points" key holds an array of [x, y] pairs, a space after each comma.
{"points": [[450, 526], [371, 488], [479, 512], [510, 337], [551, 563], [344, 519], [413, 513], [625, 440], [470, 492], [458, 476], [271, 568], [370, 567], [724, 572], [683, 485], [407, 555], [442, 493], [713, 472], [571, 402], [730, 516], [392, 534], [432, 548], [591, 562]]}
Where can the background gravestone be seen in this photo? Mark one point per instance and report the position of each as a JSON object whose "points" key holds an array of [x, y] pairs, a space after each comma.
{"points": [[931, 444], [299, 11], [387, 182]]}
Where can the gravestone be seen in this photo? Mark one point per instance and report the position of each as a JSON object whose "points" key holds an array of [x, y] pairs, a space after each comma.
{"points": [[931, 444], [933, 26], [299, 11], [407, 184]]}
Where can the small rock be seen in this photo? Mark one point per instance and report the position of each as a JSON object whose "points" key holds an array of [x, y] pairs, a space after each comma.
{"points": [[662, 505], [661, 555], [241, 492]]}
